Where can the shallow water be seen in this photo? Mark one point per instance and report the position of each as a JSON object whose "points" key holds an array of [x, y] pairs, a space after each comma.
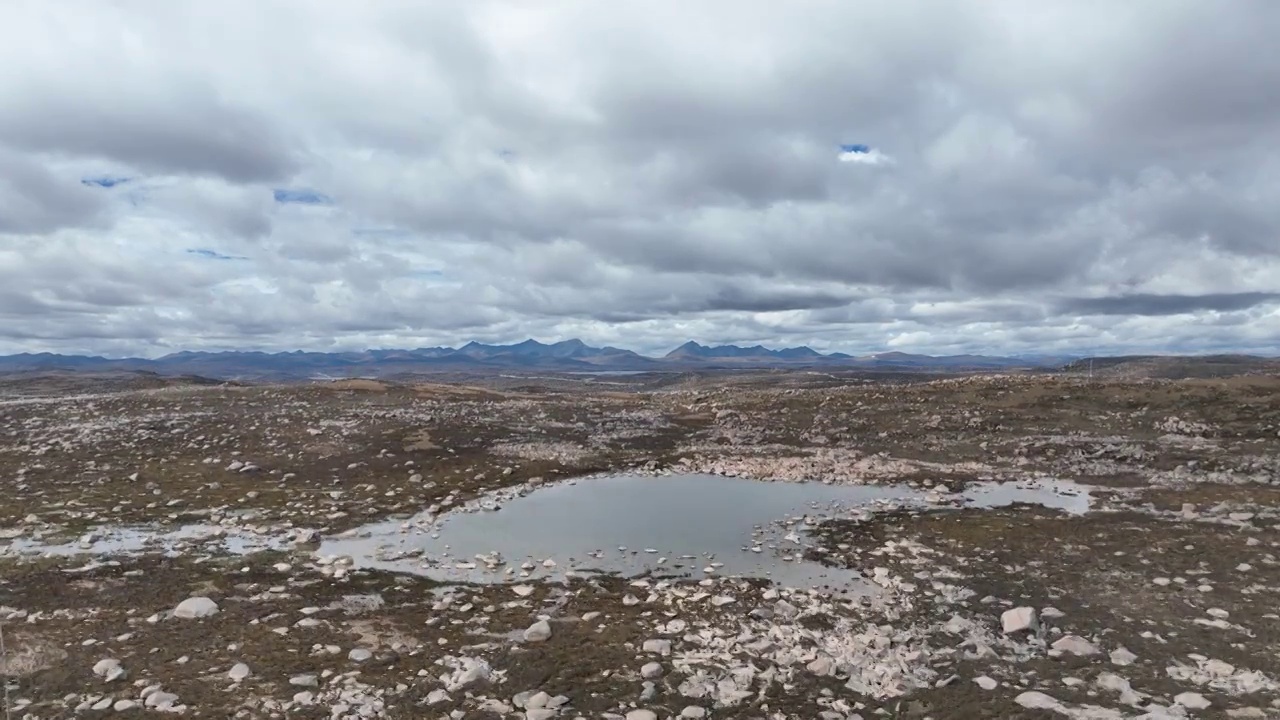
{"points": [[126, 540], [669, 525], [1055, 494], [688, 525], [629, 524]]}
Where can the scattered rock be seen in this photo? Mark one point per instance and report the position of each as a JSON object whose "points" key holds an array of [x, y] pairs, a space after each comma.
{"points": [[1075, 645], [161, 700], [538, 632], [659, 647], [194, 608], [1122, 656], [109, 670], [821, 666], [437, 696], [1019, 619], [1035, 700], [1191, 701]]}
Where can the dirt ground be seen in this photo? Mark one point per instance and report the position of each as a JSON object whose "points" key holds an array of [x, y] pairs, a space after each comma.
{"points": [[1175, 564]]}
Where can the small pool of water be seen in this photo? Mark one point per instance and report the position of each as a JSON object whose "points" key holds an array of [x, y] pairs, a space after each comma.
{"points": [[679, 525], [668, 525], [129, 540]]}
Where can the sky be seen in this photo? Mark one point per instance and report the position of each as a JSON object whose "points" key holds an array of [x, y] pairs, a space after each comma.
{"points": [[1002, 177]]}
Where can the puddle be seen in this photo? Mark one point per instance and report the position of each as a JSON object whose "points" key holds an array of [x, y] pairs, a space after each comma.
{"points": [[682, 525], [1054, 494], [673, 525], [124, 541]]}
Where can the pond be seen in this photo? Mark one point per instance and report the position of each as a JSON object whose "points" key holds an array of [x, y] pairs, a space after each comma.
{"points": [[680, 525]]}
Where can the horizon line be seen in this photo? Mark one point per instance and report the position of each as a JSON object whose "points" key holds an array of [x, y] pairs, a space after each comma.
{"points": [[1065, 354]]}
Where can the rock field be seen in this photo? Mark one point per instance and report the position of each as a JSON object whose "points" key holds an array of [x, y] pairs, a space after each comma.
{"points": [[161, 550]]}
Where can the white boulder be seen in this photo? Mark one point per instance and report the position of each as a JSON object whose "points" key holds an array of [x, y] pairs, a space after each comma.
{"points": [[538, 632], [1075, 645], [1019, 619], [195, 608]]}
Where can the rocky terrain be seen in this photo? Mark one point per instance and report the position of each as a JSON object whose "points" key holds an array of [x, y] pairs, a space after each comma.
{"points": [[164, 549]]}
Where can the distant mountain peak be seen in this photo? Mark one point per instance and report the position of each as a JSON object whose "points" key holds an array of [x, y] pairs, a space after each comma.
{"points": [[570, 355], [692, 349], [688, 349], [803, 351]]}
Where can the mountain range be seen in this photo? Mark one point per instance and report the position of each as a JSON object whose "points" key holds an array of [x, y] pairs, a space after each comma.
{"points": [[565, 356]]}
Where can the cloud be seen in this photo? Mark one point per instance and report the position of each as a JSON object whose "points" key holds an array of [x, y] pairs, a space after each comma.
{"points": [[37, 197], [372, 174], [1149, 304], [863, 155]]}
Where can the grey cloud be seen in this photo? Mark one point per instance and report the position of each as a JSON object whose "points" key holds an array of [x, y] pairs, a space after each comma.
{"points": [[33, 200], [1187, 83], [186, 132], [1190, 208], [1149, 304], [741, 298]]}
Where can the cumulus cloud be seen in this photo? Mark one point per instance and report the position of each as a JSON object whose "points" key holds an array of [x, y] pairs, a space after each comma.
{"points": [[862, 155], [279, 174]]}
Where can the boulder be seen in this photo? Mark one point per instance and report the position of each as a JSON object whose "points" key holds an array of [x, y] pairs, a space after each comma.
{"points": [[1019, 619], [1122, 656], [195, 608], [538, 632], [1191, 701], [1075, 645], [109, 670], [658, 647], [1037, 701]]}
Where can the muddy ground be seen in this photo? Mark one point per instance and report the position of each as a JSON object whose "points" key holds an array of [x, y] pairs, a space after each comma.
{"points": [[1168, 587]]}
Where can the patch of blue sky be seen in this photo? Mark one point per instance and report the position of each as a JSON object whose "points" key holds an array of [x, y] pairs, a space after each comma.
{"points": [[208, 254], [381, 232], [104, 181], [300, 196]]}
